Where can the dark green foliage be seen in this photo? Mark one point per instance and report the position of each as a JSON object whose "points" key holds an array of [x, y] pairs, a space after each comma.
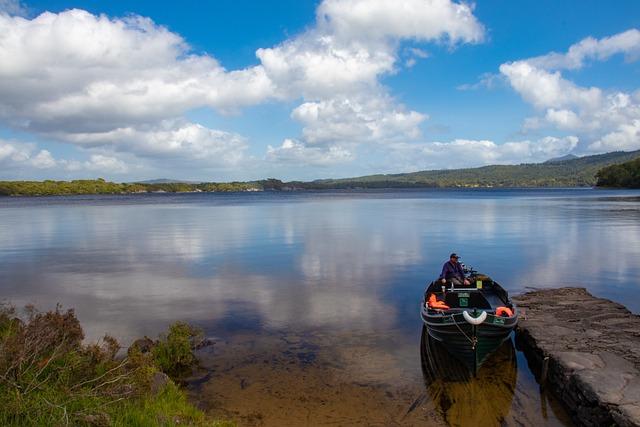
{"points": [[100, 186], [53, 188], [172, 353], [626, 175], [48, 377]]}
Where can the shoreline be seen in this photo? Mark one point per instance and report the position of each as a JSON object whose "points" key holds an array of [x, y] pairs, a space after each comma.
{"points": [[586, 350], [322, 190]]}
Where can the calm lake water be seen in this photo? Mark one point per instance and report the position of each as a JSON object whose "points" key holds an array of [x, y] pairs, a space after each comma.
{"points": [[312, 299]]}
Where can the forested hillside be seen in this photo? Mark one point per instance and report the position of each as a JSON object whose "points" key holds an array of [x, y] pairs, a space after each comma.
{"points": [[573, 172], [617, 169], [625, 175]]}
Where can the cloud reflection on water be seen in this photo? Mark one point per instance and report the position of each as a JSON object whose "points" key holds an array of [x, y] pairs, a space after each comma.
{"points": [[328, 263]]}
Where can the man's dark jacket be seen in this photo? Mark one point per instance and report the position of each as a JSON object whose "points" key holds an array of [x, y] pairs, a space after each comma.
{"points": [[452, 269]]}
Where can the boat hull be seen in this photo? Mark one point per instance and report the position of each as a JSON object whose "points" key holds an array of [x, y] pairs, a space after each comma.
{"points": [[471, 344]]}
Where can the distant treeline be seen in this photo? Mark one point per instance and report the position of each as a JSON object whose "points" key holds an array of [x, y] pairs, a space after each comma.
{"points": [[566, 172], [100, 186], [572, 172], [625, 175]]}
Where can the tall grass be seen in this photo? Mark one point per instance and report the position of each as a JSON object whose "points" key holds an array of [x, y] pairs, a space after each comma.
{"points": [[48, 376]]}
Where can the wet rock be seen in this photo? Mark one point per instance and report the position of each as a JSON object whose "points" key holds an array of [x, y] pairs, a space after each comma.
{"points": [[592, 359]]}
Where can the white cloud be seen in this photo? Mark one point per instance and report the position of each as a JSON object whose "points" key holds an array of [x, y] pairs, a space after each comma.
{"points": [[355, 41], [626, 138], [316, 65], [563, 119], [400, 19], [43, 160], [74, 71], [604, 120], [123, 83], [96, 163], [26, 157], [461, 153], [12, 7], [296, 153], [169, 139], [418, 53], [627, 42], [357, 120], [413, 55], [487, 80], [546, 89], [336, 67], [14, 152]]}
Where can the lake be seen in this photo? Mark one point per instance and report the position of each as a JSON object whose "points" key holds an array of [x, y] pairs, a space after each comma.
{"points": [[312, 298]]}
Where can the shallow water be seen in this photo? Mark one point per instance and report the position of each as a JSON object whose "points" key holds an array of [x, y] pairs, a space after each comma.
{"points": [[312, 298]]}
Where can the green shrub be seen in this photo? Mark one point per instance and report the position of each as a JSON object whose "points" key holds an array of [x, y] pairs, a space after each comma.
{"points": [[49, 377], [172, 353]]}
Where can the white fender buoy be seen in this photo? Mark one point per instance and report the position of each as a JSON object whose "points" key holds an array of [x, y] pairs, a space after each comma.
{"points": [[474, 320]]}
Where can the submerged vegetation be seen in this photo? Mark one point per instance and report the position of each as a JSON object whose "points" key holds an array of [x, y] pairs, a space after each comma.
{"points": [[624, 175], [48, 376], [562, 172]]}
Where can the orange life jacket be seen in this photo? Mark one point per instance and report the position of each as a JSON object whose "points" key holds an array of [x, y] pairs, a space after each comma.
{"points": [[434, 303], [504, 312]]}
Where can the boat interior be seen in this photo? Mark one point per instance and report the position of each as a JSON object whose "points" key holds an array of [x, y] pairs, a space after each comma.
{"points": [[481, 294]]}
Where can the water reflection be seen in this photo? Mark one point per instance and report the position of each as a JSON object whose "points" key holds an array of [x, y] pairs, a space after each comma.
{"points": [[465, 400], [345, 270], [493, 397]]}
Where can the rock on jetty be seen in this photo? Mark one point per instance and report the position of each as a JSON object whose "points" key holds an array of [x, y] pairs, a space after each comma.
{"points": [[586, 350]]}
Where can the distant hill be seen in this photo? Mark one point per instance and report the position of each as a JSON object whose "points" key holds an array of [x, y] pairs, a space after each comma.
{"points": [[562, 158], [617, 169], [623, 175], [166, 181], [569, 172]]}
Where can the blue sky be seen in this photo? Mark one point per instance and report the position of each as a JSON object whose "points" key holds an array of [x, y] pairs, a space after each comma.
{"points": [[231, 90]]}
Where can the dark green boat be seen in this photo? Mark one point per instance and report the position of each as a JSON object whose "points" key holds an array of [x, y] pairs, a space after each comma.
{"points": [[472, 321]]}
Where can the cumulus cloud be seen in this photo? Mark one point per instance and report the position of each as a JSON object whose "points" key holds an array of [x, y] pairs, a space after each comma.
{"points": [[626, 138], [604, 120], [16, 154], [461, 153], [96, 163], [356, 119], [26, 157], [546, 89], [336, 66], [294, 152], [400, 19], [125, 84], [12, 7], [627, 43], [77, 72], [168, 139]]}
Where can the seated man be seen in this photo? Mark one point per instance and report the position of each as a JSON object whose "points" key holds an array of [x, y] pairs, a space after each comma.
{"points": [[452, 272]]}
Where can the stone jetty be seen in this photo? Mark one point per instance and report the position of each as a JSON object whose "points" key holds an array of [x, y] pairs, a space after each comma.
{"points": [[586, 350]]}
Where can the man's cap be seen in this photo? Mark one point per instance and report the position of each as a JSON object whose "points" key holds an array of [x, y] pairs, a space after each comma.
{"points": [[454, 255]]}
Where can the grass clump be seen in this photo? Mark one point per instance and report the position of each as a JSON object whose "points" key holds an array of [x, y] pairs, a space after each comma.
{"points": [[48, 376], [172, 353]]}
